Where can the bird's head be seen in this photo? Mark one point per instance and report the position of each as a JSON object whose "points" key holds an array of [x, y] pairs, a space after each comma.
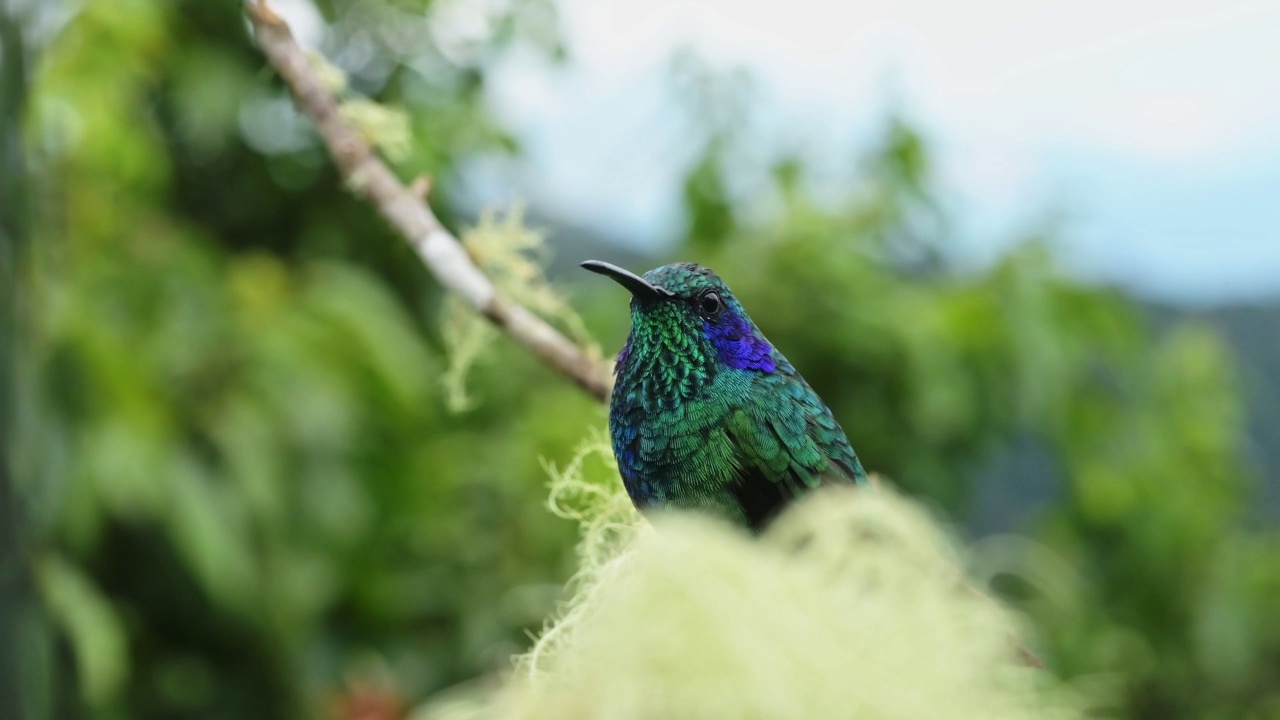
{"points": [[684, 316]]}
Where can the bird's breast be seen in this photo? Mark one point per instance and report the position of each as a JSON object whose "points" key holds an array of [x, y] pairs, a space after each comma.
{"points": [[675, 453]]}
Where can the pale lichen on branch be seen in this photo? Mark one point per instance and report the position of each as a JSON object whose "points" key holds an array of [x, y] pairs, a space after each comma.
{"points": [[513, 257], [366, 175]]}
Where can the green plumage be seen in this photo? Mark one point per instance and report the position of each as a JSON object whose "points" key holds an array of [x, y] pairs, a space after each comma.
{"points": [[705, 413]]}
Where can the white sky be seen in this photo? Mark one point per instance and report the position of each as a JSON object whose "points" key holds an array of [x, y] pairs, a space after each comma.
{"points": [[1155, 124]]}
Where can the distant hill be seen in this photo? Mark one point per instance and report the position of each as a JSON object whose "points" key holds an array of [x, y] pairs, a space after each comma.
{"points": [[1021, 479], [1254, 333]]}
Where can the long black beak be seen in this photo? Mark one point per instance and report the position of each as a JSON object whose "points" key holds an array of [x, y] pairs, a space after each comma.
{"points": [[638, 286]]}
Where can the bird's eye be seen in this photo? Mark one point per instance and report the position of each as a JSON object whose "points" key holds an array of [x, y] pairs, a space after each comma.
{"points": [[710, 305]]}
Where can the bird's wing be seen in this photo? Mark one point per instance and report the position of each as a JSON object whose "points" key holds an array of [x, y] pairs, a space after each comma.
{"points": [[791, 438], [787, 443], [820, 428]]}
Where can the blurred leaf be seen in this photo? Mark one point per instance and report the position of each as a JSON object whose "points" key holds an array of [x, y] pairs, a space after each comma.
{"points": [[92, 625], [209, 530]]}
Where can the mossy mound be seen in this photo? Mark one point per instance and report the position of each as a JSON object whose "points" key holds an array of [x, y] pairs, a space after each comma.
{"points": [[851, 605]]}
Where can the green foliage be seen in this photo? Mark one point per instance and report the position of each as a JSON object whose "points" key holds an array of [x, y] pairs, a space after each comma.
{"points": [[238, 461], [707, 197]]}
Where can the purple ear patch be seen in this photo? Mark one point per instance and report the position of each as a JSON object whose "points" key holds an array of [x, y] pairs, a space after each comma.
{"points": [[622, 356], [737, 344]]}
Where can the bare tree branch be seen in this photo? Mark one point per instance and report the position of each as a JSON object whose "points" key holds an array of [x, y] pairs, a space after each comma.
{"points": [[409, 214]]}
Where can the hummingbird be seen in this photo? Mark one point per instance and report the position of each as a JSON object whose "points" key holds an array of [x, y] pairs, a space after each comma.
{"points": [[706, 414]]}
